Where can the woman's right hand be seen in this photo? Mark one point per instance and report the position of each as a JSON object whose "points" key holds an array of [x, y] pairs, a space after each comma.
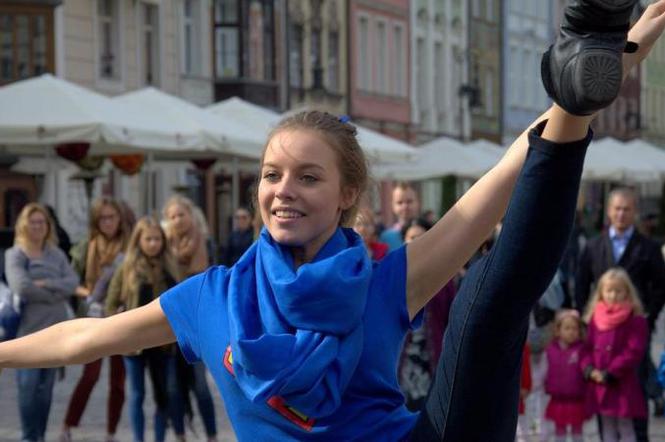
{"points": [[81, 291]]}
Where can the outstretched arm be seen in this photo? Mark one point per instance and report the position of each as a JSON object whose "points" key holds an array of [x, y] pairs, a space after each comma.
{"points": [[83, 340], [436, 256]]}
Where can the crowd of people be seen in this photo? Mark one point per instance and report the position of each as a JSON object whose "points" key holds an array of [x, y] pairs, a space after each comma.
{"points": [[303, 334], [587, 351], [121, 264]]}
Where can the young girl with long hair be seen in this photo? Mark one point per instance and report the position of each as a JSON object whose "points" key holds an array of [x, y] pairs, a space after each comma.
{"points": [[146, 272], [95, 259], [40, 274], [564, 381], [303, 334], [617, 341]]}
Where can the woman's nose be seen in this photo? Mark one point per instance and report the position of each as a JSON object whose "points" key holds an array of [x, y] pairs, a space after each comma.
{"points": [[285, 189]]}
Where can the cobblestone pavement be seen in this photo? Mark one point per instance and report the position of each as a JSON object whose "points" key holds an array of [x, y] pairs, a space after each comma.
{"points": [[94, 420], [93, 424]]}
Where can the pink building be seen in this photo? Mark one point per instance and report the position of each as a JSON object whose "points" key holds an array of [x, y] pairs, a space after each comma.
{"points": [[379, 60]]}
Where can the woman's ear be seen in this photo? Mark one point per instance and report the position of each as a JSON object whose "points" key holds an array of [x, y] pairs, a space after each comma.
{"points": [[349, 197]]}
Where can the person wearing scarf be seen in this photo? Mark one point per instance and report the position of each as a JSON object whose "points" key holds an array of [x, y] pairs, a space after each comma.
{"points": [[146, 273], [303, 334], [96, 259], [616, 344], [187, 238]]}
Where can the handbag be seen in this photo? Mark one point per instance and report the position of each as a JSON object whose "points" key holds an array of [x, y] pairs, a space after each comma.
{"points": [[10, 313]]}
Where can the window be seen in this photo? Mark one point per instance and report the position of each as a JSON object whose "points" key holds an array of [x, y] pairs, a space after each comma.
{"points": [[515, 76], [333, 61], [108, 29], [381, 58], [149, 44], [400, 62], [439, 80], [295, 56], [489, 92], [244, 39], [421, 62], [489, 12], [363, 54], [227, 39], [190, 37]]}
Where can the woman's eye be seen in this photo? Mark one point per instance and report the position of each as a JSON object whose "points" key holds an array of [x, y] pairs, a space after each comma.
{"points": [[309, 178], [270, 176]]}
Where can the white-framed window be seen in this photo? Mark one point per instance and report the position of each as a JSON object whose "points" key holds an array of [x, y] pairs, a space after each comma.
{"points": [[295, 55], [333, 60], [108, 39], [489, 10], [421, 75], [191, 47], [364, 72], [488, 89], [149, 44], [381, 58], [439, 79], [515, 75], [400, 60]]}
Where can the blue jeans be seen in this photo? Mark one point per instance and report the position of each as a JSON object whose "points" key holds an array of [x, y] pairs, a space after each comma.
{"points": [[475, 392], [35, 390], [193, 377], [160, 366]]}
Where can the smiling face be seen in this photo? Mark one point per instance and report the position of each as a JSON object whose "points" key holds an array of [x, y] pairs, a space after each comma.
{"points": [[300, 192]]}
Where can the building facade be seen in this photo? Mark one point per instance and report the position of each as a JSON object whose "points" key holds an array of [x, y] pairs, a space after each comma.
{"points": [[439, 69], [485, 69], [317, 55], [527, 33], [112, 47], [652, 112]]}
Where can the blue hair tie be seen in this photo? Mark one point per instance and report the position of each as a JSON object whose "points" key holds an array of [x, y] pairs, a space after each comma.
{"points": [[344, 119]]}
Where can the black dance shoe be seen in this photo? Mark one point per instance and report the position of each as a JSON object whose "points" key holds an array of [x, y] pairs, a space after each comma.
{"points": [[582, 71]]}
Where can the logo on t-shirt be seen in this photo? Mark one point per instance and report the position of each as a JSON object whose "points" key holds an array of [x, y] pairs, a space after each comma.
{"points": [[275, 402]]}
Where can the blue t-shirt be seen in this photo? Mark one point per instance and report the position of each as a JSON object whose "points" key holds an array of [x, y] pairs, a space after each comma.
{"points": [[372, 407], [393, 238]]}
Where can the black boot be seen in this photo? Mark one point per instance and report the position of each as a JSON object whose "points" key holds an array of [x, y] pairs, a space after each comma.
{"points": [[582, 71]]}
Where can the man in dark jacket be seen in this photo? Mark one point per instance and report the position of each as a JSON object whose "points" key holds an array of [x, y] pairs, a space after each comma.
{"points": [[240, 238], [623, 246]]}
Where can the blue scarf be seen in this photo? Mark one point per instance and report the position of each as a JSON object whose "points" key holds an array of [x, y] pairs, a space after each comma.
{"points": [[298, 334]]}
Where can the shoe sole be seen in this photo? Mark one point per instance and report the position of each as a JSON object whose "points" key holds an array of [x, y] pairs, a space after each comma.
{"points": [[597, 77]]}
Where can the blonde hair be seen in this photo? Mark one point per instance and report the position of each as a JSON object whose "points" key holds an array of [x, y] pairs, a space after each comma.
{"points": [[197, 214], [124, 229], [21, 227], [136, 261], [615, 273], [564, 314], [341, 137]]}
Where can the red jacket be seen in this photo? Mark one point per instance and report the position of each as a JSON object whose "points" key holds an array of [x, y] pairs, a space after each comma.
{"points": [[619, 352]]}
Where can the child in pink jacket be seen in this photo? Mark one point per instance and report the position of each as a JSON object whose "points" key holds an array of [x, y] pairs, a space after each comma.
{"points": [[565, 381], [617, 342]]}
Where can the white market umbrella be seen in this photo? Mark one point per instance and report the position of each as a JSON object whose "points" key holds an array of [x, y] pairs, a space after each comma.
{"points": [[216, 135], [256, 120], [444, 156], [378, 147], [46, 111], [648, 152], [609, 159]]}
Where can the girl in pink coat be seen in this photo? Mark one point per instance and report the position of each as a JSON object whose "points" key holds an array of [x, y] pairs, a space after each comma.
{"points": [[565, 381], [617, 342]]}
